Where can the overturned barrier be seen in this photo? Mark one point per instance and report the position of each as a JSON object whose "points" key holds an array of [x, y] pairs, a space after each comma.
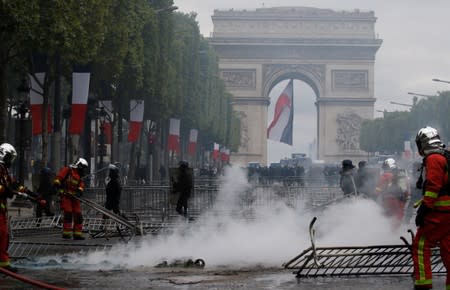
{"points": [[357, 261]]}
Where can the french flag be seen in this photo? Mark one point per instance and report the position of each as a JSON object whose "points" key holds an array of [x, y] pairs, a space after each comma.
{"points": [[224, 154], [281, 127], [107, 126], [136, 119], [216, 152], [173, 143], [192, 146], [80, 92], [36, 103]]}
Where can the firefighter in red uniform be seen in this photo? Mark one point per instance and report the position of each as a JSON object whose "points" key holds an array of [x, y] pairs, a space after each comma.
{"points": [[433, 214], [392, 193], [7, 190], [68, 183]]}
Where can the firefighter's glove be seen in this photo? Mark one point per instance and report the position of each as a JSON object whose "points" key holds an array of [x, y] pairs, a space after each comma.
{"points": [[420, 215], [42, 202], [79, 192], [57, 189]]}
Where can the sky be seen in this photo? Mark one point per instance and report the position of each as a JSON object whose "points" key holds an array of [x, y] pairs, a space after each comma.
{"points": [[415, 49]]}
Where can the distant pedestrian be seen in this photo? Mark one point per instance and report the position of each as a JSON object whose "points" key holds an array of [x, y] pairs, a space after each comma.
{"points": [[183, 185], [113, 190], [162, 174], [347, 181], [45, 191]]}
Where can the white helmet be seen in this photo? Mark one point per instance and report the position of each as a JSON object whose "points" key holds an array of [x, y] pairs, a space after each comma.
{"points": [[81, 165], [389, 164], [7, 154], [428, 139]]}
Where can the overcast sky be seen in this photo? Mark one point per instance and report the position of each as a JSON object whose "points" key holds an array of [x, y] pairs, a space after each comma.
{"points": [[415, 49]]}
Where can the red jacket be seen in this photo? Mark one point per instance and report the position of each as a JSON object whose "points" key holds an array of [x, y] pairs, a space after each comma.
{"points": [[69, 181], [435, 196]]}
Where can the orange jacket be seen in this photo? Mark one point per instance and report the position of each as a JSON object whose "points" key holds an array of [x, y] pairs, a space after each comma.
{"points": [[435, 196], [69, 181]]}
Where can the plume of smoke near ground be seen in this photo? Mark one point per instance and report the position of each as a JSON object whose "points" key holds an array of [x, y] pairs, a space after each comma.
{"points": [[273, 234]]}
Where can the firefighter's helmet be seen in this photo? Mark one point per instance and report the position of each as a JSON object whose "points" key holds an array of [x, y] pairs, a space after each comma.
{"points": [[7, 154], [81, 165], [428, 139], [389, 164]]}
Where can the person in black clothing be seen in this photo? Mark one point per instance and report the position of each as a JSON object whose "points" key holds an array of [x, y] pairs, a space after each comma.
{"points": [[113, 190], [183, 185], [45, 191], [162, 174], [347, 182]]}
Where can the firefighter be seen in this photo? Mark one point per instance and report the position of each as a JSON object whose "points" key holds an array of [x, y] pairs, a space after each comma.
{"points": [[392, 192], [69, 184], [8, 187], [433, 214]]}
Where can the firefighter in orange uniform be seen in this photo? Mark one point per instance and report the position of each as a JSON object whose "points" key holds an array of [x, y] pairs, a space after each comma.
{"points": [[7, 190], [392, 191], [433, 214], [68, 184]]}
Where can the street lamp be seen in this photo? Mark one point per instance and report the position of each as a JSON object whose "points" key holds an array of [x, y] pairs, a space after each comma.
{"points": [[102, 116], [167, 9], [401, 104], [421, 95], [441, 81]]}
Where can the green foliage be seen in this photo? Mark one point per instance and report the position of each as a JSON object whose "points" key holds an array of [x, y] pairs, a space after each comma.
{"points": [[136, 48], [389, 133]]}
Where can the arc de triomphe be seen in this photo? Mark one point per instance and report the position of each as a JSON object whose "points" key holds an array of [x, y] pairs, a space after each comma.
{"points": [[333, 52]]}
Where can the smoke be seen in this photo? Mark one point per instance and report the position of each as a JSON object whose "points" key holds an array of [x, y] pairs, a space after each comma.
{"points": [[270, 234]]}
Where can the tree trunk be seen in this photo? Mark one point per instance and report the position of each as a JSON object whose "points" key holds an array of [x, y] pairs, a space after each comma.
{"points": [[3, 105]]}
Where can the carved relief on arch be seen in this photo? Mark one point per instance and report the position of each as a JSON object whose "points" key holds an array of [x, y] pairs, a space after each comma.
{"points": [[244, 131], [348, 128], [313, 74], [239, 78]]}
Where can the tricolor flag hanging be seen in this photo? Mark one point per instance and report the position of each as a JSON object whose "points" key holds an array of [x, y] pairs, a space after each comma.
{"points": [[281, 127], [136, 119], [216, 153], [173, 143], [80, 92], [192, 146], [224, 154], [36, 102]]}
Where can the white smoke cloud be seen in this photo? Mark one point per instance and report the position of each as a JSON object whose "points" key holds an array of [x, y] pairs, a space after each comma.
{"points": [[273, 235]]}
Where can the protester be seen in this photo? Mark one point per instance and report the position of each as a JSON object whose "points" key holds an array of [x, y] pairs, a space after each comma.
{"points": [[183, 185], [45, 190], [69, 184], [347, 181], [162, 174], [433, 214], [113, 190]]}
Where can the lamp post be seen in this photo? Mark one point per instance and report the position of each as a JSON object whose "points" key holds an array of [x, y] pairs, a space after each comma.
{"points": [[401, 104], [421, 95], [441, 81], [101, 149]]}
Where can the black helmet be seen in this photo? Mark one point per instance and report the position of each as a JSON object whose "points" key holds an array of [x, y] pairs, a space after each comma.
{"points": [[183, 164], [347, 163], [428, 139]]}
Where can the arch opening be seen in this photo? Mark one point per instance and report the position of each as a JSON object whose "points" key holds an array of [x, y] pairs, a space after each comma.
{"points": [[304, 121]]}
